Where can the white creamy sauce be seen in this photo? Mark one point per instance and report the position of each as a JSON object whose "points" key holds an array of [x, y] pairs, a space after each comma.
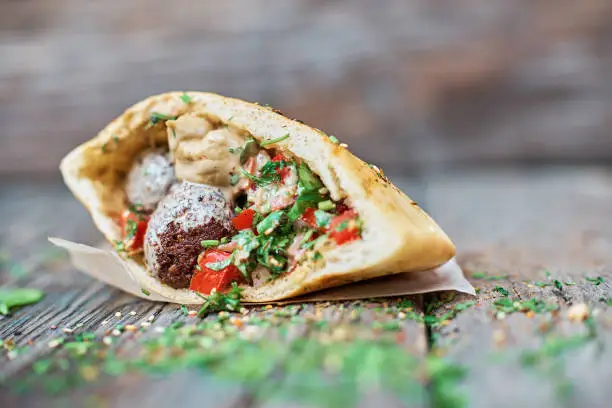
{"points": [[202, 154]]}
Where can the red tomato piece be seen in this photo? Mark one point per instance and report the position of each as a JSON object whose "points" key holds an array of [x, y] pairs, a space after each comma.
{"points": [[205, 279], [285, 171], [343, 228], [244, 220], [309, 217], [133, 229]]}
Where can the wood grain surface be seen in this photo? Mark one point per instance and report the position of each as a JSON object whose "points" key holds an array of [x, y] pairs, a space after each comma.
{"points": [[407, 84], [518, 230]]}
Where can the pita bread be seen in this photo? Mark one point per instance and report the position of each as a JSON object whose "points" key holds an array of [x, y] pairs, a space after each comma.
{"points": [[398, 236]]}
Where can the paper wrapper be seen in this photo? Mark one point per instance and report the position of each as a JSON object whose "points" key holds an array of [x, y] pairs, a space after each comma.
{"points": [[108, 267]]}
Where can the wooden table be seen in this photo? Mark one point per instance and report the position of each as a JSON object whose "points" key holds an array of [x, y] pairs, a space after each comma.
{"points": [[536, 238]]}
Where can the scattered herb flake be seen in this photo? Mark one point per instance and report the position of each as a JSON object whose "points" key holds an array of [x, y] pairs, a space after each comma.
{"points": [[10, 298], [185, 98], [595, 281], [274, 141]]}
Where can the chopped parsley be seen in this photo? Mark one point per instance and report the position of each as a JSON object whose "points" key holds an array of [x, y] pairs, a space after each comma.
{"points": [[595, 281], [145, 292], [10, 298], [482, 275], [558, 284], [217, 301], [185, 98], [274, 141], [322, 218], [217, 266], [131, 228], [158, 117], [334, 139], [502, 290], [327, 205], [209, 243], [270, 223]]}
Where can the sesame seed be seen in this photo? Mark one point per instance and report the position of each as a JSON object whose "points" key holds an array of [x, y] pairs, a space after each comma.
{"points": [[160, 329], [107, 340], [151, 318], [118, 314], [343, 145], [79, 325], [145, 324], [55, 342], [132, 313], [131, 327], [104, 322], [67, 330], [116, 332]]}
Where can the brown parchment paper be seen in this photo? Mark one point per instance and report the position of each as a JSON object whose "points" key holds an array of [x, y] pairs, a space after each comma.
{"points": [[106, 266]]}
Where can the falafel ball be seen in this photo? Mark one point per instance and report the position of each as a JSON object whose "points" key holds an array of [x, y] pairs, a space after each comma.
{"points": [[149, 179], [189, 214]]}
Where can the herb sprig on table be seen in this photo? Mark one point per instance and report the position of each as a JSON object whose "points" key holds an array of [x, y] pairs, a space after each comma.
{"points": [[10, 298]]}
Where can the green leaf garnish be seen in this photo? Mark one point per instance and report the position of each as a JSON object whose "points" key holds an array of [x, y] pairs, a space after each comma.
{"points": [[217, 301], [10, 298], [185, 98], [209, 243], [274, 141], [270, 223]]}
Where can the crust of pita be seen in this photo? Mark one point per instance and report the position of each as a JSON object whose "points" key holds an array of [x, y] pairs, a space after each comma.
{"points": [[398, 236]]}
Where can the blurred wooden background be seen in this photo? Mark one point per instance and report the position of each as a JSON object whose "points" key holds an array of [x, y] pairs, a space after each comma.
{"points": [[410, 85]]}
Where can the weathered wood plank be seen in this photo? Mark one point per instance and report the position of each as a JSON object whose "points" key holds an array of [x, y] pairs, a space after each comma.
{"points": [[523, 224], [76, 304], [416, 76]]}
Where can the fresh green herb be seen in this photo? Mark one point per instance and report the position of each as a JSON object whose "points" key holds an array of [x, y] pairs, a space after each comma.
{"points": [[157, 117], [327, 205], [307, 236], [307, 179], [305, 200], [218, 301], [508, 305], [542, 284], [209, 243], [131, 229], [334, 139], [119, 246], [270, 223], [145, 292], [116, 139], [558, 284], [317, 256], [342, 226], [569, 283], [322, 218], [595, 281], [271, 168], [607, 301], [257, 180], [274, 141], [10, 298], [185, 98], [184, 310], [482, 275], [104, 147], [217, 266]]}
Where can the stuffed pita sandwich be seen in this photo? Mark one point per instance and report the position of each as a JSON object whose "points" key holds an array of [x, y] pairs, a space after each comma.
{"points": [[201, 193]]}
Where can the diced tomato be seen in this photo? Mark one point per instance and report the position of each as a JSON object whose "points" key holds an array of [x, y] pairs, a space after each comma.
{"points": [[344, 228], [285, 171], [244, 220], [133, 229], [204, 279], [309, 217], [279, 157]]}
